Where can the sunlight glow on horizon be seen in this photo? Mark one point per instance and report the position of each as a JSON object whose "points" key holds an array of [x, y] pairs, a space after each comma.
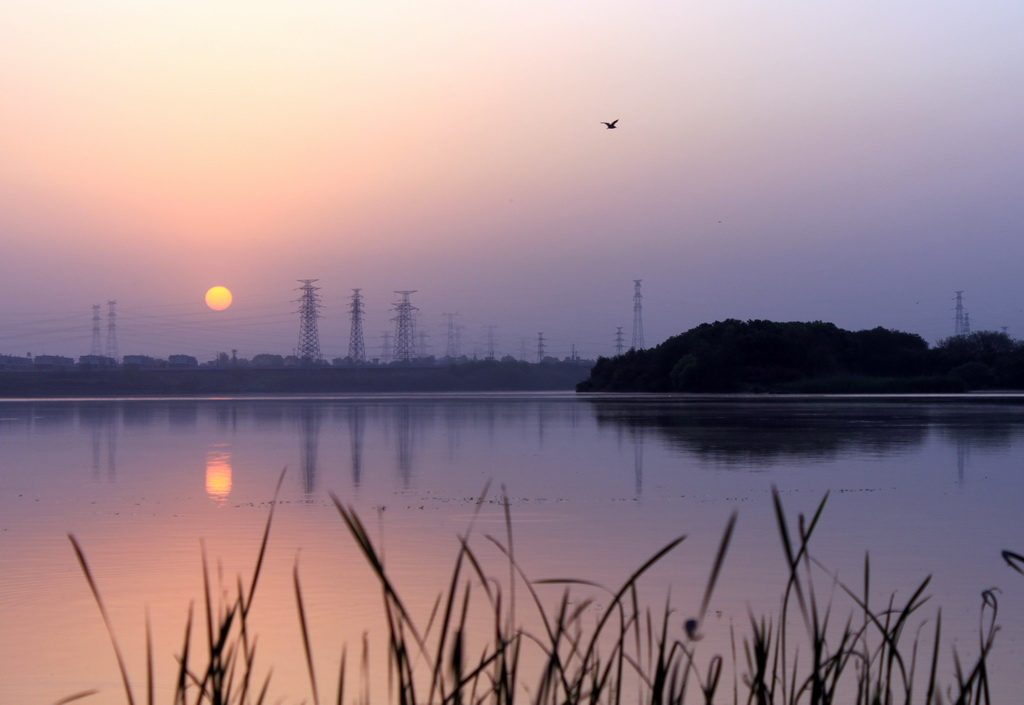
{"points": [[456, 149]]}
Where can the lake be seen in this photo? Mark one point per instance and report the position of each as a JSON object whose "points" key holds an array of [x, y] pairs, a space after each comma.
{"points": [[594, 486]]}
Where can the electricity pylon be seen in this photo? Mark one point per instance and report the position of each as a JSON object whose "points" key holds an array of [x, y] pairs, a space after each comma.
{"points": [[309, 311], [112, 331], [638, 317], [97, 349], [405, 327], [356, 342], [958, 321]]}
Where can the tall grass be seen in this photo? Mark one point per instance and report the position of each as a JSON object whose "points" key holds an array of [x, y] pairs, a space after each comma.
{"points": [[473, 648]]}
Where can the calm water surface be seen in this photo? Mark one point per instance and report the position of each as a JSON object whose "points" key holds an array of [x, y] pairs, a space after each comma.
{"points": [[596, 485]]}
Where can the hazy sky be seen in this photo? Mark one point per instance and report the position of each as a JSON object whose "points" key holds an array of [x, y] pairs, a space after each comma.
{"points": [[848, 161]]}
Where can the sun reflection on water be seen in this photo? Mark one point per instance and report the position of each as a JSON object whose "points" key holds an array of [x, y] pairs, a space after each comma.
{"points": [[218, 472]]}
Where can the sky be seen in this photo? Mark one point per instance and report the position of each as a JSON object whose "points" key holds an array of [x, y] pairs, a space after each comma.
{"points": [[853, 162]]}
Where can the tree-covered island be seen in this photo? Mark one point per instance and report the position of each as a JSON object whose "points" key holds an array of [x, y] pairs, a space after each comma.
{"points": [[817, 357]]}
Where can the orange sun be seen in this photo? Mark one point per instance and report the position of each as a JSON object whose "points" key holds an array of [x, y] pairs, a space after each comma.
{"points": [[218, 298]]}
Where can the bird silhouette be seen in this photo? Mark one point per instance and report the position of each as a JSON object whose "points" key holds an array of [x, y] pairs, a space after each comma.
{"points": [[610, 125]]}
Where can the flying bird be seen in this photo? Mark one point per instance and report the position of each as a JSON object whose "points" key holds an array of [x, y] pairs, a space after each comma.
{"points": [[610, 125]]}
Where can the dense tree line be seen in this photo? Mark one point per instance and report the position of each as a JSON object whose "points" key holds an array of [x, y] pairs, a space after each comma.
{"points": [[483, 375], [767, 356]]}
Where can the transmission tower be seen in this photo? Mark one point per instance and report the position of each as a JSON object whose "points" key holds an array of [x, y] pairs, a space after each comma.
{"points": [[451, 349], [385, 348], [958, 320], [540, 347], [967, 323], [356, 343], [112, 331], [638, 318], [422, 343], [620, 342], [309, 310], [96, 350], [405, 327]]}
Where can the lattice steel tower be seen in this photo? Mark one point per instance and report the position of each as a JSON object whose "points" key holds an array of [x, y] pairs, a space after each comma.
{"points": [[958, 321], [112, 331], [309, 311], [638, 317], [620, 341], [356, 342], [96, 349], [451, 350], [540, 347], [405, 327]]}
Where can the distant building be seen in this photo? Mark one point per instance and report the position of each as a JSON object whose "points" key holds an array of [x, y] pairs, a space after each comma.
{"points": [[96, 362], [53, 362], [181, 362], [138, 362], [15, 363]]}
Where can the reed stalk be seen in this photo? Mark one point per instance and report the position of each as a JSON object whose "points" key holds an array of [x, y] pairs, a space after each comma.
{"points": [[576, 653]]}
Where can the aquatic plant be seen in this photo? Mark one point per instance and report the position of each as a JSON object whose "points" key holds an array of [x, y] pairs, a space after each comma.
{"points": [[473, 648]]}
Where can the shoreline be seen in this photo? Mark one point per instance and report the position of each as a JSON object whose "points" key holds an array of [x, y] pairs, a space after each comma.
{"points": [[470, 377]]}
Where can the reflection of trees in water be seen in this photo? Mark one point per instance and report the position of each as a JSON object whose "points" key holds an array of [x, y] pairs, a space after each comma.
{"points": [[732, 431], [46, 416], [183, 417], [744, 435], [227, 417], [403, 422], [739, 432], [141, 415]]}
